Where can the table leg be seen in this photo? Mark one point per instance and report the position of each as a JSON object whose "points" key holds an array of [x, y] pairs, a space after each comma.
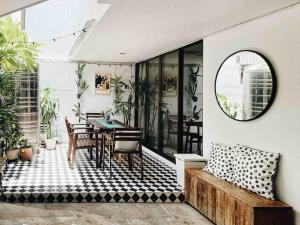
{"points": [[101, 149], [97, 152]]}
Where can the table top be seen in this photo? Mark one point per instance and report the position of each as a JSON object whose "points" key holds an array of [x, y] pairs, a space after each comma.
{"points": [[103, 124]]}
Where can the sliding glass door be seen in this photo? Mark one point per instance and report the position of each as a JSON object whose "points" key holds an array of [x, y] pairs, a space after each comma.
{"points": [[170, 101], [169, 105], [193, 99], [152, 103]]}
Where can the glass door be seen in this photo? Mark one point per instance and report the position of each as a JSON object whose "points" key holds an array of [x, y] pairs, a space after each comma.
{"points": [[193, 99], [169, 104], [152, 103], [170, 101]]}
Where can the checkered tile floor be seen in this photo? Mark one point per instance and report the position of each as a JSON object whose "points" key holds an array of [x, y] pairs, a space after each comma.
{"points": [[48, 178]]}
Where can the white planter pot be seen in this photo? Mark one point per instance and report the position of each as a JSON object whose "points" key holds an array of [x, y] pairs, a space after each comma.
{"points": [[50, 143], [12, 154]]}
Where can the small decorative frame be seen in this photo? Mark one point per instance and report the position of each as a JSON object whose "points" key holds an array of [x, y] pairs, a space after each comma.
{"points": [[103, 83], [169, 85]]}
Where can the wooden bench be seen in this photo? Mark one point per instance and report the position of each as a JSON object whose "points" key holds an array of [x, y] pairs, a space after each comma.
{"points": [[226, 204]]}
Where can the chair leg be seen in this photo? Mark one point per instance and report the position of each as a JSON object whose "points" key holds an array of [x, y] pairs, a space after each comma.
{"points": [[186, 144], [100, 161], [91, 153], [129, 161], [73, 158], [103, 161], [141, 165], [1, 190], [191, 145], [109, 156], [70, 150]]}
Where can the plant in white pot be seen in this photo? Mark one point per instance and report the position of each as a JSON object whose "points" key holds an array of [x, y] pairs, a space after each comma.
{"points": [[49, 112]]}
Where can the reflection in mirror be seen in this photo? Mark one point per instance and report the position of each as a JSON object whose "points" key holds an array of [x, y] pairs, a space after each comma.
{"points": [[245, 85]]}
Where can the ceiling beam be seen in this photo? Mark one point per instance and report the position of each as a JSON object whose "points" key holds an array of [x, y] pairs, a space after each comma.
{"points": [[11, 6]]}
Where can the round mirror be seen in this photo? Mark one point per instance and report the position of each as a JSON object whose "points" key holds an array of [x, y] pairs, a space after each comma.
{"points": [[245, 85]]}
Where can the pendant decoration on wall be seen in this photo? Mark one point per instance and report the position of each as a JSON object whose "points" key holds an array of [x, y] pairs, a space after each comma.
{"points": [[102, 83], [169, 85], [196, 113], [191, 89], [82, 86], [193, 84]]}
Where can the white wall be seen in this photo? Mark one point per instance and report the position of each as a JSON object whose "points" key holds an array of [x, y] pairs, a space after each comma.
{"points": [[278, 37], [60, 77]]}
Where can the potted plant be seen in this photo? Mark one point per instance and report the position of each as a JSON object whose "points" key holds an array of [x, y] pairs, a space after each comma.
{"points": [[13, 143], [49, 112], [26, 152]]}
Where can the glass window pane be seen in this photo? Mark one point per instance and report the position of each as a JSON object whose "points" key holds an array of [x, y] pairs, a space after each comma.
{"points": [[169, 107], [152, 103], [192, 98]]}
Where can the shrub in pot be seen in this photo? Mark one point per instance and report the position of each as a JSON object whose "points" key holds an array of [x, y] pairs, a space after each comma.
{"points": [[26, 152], [13, 143], [49, 112]]}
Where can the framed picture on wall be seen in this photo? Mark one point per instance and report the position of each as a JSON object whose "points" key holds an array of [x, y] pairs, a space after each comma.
{"points": [[169, 85], [102, 83]]}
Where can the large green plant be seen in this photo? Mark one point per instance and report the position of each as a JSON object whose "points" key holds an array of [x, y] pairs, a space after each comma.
{"points": [[122, 105], [16, 53], [82, 86], [49, 111], [8, 107]]}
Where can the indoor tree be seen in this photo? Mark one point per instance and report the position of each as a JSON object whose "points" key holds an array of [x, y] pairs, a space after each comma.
{"points": [[16, 53], [124, 105], [49, 111]]}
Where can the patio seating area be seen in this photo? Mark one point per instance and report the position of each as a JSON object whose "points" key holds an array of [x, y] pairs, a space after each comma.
{"points": [[177, 112], [48, 178]]}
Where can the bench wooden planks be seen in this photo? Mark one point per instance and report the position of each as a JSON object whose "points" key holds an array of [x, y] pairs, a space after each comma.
{"points": [[226, 204]]}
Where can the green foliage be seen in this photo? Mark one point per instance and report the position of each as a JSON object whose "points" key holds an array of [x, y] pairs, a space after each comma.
{"points": [[77, 110], [15, 55], [15, 138], [121, 106], [82, 86], [49, 111], [230, 109], [8, 107]]}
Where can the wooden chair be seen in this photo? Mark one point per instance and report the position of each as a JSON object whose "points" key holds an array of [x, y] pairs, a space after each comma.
{"points": [[193, 137], [172, 126], [124, 141], [79, 139], [94, 116]]}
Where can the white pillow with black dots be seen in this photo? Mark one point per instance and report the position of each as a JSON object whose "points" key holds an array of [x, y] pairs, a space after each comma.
{"points": [[255, 170]]}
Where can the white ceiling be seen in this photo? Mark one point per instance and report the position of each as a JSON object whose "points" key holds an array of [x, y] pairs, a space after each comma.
{"points": [[144, 28], [8, 6]]}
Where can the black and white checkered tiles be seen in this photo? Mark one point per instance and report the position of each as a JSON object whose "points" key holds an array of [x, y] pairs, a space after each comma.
{"points": [[48, 178]]}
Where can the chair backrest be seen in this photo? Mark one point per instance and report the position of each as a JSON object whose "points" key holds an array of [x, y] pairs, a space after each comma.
{"points": [[68, 125], [127, 139], [195, 124], [94, 116]]}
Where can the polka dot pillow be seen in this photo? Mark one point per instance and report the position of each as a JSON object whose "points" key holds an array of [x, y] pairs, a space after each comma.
{"points": [[255, 170], [220, 162]]}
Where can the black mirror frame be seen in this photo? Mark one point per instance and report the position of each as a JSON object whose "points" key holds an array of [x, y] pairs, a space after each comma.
{"points": [[274, 89]]}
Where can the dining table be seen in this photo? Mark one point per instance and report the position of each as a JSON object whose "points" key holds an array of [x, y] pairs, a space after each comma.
{"points": [[103, 126]]}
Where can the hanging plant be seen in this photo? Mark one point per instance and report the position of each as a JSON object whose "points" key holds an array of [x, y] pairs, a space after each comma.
{"points": [[193, 83], [82, 86]]}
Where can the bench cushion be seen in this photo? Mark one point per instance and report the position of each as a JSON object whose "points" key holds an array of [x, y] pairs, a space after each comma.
{"points": [[220, 161], [255, 170]]}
